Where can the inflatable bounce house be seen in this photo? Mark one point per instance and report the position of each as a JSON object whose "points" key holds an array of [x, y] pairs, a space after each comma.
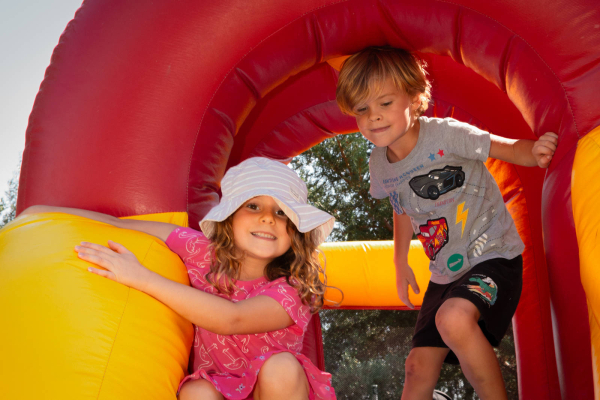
{"points": [[146, 104]]}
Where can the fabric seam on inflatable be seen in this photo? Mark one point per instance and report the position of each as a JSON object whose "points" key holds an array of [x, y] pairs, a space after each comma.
{"points": [[119, 326], [113, 343]]}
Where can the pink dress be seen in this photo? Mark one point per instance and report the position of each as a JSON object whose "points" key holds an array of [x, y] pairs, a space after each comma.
{"points": [[233, 362]]}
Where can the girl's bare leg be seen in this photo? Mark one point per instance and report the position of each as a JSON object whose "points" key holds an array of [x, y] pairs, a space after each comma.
{"points": [[281, 377], [200, 389]]}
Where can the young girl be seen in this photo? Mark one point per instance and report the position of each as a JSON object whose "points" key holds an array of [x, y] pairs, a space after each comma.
{"points": [[255, 277]]}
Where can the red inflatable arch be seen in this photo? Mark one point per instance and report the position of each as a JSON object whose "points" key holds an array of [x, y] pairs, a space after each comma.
{"points": [[146, 104]]}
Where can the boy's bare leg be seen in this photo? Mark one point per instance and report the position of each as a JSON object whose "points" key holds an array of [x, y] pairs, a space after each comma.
{"points": [[422, 369], [456, 321]]}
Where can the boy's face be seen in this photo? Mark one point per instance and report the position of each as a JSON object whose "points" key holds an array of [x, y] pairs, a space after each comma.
{"points": [[385, 118]]}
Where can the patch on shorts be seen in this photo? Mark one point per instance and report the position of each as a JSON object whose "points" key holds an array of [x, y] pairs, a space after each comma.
{"points": [[485, 287]]}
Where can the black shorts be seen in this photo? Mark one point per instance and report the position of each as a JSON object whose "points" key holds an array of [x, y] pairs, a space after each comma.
{"points": [[493, 286]]}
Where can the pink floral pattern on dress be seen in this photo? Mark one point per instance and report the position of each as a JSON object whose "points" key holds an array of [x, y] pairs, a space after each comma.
{"points": [[233, 362]]}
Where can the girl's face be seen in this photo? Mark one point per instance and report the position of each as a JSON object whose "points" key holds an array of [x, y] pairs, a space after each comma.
{"points": [[385, 118], [260, 230]]}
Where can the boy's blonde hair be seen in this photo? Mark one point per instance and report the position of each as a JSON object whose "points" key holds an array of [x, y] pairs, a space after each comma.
{"points": [[364, 74]]}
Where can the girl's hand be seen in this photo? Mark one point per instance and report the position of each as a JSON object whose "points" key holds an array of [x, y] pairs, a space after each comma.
{"points": [[404, 278], [544, 148], [119, 264]]}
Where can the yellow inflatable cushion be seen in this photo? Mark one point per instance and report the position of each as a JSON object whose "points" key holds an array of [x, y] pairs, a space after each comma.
{"points": [[365, 272], [69, 334], [584, 194]]}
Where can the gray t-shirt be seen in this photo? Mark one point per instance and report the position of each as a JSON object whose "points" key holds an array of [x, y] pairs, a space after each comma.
{"points": [[455, 206]]}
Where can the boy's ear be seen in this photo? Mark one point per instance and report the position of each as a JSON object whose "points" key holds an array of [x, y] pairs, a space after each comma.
{"points": [[416, 101]]}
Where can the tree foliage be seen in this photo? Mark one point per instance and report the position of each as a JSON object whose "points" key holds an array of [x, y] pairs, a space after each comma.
{"points": [[337, 175], [368, 347], [8, 203]]}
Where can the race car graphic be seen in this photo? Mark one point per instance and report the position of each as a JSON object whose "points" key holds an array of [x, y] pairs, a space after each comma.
{"points": [[437, 182], [433, 236]]}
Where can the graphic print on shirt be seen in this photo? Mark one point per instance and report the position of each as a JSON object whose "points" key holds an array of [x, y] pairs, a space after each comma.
{"points": [[244, 340], [239, 293], [437, 182], [433, 236], [484, 287], [461, 216], [195, 244], [222, 339], [267, 339], [304, 315], [196, 336], [198, 279], [395, 202], [204, 357], [236, 363], [455, 262], [288, 301], [439, 153], [481, 243]]}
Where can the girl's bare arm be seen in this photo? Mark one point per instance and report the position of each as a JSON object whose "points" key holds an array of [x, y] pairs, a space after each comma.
{"points": [[159, 229], [213, 313]]}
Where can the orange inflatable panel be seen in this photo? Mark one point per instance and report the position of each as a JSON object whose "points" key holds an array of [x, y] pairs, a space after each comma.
{"points": [[365, 272]]}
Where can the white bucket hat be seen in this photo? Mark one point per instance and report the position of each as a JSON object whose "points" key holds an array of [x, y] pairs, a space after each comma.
{"points": [[259, 176]]}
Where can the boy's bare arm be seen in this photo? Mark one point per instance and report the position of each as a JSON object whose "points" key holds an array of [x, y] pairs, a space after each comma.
{"points": [[528, 153], [161, 230], [404, 273]]}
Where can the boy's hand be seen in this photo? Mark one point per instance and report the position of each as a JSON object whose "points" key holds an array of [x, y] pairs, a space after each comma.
{"points": [[544, 148], [404, 278], [119, 264]]}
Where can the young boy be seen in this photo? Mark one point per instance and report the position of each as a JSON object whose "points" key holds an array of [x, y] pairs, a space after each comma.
{"points": [[433, 172]]}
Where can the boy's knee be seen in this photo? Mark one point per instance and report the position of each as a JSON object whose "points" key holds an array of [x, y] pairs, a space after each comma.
{"points": [[414, 367], [282, 371], [455, 321], [422, 369]]}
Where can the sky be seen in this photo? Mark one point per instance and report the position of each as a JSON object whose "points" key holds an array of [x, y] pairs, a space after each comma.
{"points": [[29, 31]]}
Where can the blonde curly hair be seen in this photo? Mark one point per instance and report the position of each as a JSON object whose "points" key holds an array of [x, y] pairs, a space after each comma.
{"points": [[300, 264]]}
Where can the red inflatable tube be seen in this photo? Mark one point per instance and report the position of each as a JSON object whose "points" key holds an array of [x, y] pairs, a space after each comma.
{"points": [[146, 104]]}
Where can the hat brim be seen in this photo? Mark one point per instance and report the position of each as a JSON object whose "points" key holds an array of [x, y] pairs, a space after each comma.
{"points": [[304, 216]]}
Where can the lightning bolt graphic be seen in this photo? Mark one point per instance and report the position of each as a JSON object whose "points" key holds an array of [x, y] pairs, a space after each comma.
{"points": [[461, 216]]}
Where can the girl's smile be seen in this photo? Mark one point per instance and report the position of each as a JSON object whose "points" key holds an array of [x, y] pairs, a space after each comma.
{"points": [[260, 231], [264, 235]]}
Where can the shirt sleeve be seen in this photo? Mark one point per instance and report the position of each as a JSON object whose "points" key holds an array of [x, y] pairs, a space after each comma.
{"points": [[376, 190], [287, 296], [189, 244], [467, 141]]}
